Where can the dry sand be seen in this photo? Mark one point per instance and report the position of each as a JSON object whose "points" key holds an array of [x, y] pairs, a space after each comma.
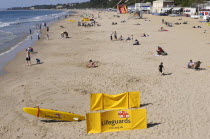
{"points": [[177, 104]]}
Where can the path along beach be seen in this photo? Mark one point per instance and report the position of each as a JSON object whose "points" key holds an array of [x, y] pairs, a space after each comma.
{"points": [[177, 104]]}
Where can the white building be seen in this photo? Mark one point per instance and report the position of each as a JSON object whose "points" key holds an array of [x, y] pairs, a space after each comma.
{"points": [[143, 6], [188, 11], [159, 4]]}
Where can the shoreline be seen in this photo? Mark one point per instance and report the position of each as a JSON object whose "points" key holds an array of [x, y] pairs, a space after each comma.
{"points": [[177, 104], [20, 56], [10, 54]]}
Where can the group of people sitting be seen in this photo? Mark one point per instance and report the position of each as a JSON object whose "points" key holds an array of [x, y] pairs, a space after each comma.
{"points": [[197, 27], [185, 22], [114, 23], [169, 24], [136, 42], [88, 24], [194, 65], [177, 23], [160, 51]]}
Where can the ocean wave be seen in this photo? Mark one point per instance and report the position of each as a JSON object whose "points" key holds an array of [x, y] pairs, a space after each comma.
{"points": [[33, 19], [4, 24], [12, 48], [6, 37]]}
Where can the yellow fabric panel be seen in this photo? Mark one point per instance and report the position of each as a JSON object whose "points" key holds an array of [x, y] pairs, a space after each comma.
{"points": [[140, 118], [119, 101], [116, 120], [96, 101], [99, 101], [93, 124], [134, 99]]}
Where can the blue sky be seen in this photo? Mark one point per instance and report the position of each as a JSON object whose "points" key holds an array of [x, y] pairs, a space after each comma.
{"points": [[24, 3]]}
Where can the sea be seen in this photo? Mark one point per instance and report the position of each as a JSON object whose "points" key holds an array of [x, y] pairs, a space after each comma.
{"points": [[15, 29]]}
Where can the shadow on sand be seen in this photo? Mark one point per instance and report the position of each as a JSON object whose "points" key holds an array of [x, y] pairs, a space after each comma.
{"points": [[37, 64], [142, 105], [152, 124], [52, 121], [167, 74]]}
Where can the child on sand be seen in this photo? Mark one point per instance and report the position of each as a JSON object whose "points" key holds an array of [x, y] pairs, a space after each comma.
{"points": [[91, 64], [190, 65], [161, 68]]}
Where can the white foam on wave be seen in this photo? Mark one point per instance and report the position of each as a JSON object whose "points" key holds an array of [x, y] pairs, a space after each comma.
{"points": [[37, 18], [4, 24], [6, 36]]}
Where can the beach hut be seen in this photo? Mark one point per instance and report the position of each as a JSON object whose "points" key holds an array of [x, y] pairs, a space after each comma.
{"points": [[122, 9]]}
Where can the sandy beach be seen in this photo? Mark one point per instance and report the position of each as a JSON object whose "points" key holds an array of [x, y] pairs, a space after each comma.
{"points": [[177, 104]]}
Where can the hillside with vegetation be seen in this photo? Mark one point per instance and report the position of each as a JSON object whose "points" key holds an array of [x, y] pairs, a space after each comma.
{"points": [[113, 3], [107, 4]]}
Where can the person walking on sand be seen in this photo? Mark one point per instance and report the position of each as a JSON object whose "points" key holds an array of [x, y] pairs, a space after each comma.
{"points": [[38, 35], [111, 37], [115, 35], [28, 58], [161, 68], [48, 37], [48, 29]]}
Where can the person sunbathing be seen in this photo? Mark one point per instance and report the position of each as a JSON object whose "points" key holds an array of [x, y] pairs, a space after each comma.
{"points": [[91, 64], [160, 51], [162, 29], [145, 35]]}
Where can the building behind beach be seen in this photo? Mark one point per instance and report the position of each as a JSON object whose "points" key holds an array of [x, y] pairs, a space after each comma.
{"points": [[146, 7], [159, 5], [188, 11]]}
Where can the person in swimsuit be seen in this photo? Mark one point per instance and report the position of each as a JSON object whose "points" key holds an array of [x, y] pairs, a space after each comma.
{"points": [[28, 58]]}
